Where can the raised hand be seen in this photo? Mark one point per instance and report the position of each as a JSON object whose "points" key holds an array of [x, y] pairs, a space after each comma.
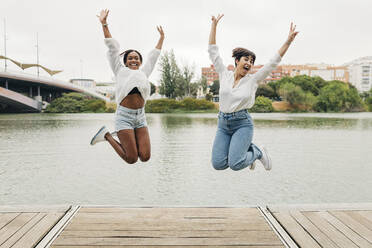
{"points": [[159, 45], [292, 33], [160, 30], [216, 20], [103, 16]]}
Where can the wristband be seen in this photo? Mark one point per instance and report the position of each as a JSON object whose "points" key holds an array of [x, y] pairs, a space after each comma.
{"points": [[105, 24]]}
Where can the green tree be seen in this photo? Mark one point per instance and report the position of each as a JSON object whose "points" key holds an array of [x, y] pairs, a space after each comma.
{"points": [[338, 96], [368, 102], [153, 88], [187, 75], [203, 83], [297, 97], [306, 83], [170, 75], [266, 91], [194, 89], [367, 98], [215, 87]]}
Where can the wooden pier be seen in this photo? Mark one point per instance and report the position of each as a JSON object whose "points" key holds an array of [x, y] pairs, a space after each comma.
{"points": [[310, 226]]}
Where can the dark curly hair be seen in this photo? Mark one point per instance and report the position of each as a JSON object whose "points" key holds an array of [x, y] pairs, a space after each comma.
{"points": [[127, 52], [239, 52]]}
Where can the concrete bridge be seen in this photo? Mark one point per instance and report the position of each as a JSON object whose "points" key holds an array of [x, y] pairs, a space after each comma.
{"points": [[21, 92]]}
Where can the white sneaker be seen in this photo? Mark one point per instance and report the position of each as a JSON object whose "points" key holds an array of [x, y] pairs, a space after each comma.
{"points": [[100, 136], [265, 159]]}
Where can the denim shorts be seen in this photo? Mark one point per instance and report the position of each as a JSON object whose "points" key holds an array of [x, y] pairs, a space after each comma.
{"points": [[126, 118]]}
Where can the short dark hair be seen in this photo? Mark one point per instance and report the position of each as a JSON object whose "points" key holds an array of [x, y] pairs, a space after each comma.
{"points": [[239, 52], [127, 52]]}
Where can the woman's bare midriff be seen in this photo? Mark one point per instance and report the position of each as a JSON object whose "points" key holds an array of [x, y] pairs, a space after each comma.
{"points": [[133, 101]]}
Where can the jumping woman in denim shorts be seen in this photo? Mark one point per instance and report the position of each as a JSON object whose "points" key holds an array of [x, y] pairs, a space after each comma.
{"points": [[132, 91], [233, 145]]}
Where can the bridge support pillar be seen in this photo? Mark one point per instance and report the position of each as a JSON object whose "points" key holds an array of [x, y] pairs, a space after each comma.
{"points": [[6, 84], [30, 91]]}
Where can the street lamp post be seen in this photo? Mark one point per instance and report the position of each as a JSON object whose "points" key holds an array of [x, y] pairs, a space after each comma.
{"points": [[37, 53], [5, 62]]}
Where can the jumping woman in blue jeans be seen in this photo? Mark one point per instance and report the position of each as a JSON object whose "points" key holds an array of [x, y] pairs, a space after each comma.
{"points": [[233, 145]]}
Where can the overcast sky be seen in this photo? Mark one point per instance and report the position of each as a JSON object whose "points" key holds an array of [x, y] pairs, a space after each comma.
{"points": [[332, 32]]}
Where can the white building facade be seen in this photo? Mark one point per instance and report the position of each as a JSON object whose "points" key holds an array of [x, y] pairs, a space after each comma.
{"points": [[360, 71]]}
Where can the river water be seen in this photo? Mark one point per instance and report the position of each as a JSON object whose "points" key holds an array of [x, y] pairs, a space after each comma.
{"points": [[317, 158]]}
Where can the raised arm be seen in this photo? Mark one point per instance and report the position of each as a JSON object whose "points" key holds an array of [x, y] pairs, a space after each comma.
{"points": [[103, 19], [212, 34], [287, 43], [274, 62], [113, 54], [153, 56], [214, 54]]}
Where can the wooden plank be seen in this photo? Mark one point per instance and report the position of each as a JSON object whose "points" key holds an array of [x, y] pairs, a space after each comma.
{"points": [[57, 228], [5, 218], [366, 214], [354, 225], [265, 238], [168, 227], [343, 227], [335, 235], [361, 219], [167, 246], [180, 210], [163, 234], [31, 238], [259, 226], [277, 228], [166, 215], [166, 220], [296, 231], [15, 225], [33, 208], [315, 233], [15, 237], [319, 207]]}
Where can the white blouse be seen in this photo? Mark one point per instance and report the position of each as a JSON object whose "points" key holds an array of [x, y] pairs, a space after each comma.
{"points": [[242, 96], [127, 79]]}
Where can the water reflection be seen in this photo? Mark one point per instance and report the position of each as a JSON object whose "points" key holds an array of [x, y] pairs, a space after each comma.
{"points": [[315, 123], [47, 159]]}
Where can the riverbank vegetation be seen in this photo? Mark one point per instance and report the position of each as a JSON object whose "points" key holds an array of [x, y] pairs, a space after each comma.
{"points": [[78, 103], [166, 105], [314, 94]]}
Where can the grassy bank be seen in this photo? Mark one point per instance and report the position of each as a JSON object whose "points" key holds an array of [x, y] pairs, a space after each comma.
{"points": [[187, 105]]}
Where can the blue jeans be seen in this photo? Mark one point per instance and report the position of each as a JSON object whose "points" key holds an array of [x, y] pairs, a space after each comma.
{"points": [[233, 145]]}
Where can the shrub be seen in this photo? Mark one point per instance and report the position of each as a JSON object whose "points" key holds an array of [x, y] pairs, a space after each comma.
{"points": [[171, 105], [368, 102], [110, 107], [262, 105], [76, 103]]}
